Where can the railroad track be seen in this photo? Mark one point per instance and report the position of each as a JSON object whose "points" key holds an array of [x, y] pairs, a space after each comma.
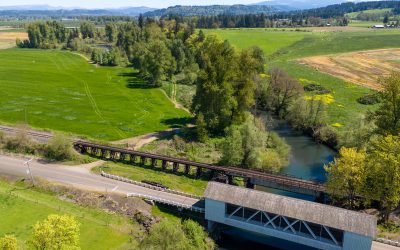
{"points": [[232, 171], [28, 132]]}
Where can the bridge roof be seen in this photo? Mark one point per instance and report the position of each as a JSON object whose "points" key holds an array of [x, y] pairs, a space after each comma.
{"points": [[330, 216]]}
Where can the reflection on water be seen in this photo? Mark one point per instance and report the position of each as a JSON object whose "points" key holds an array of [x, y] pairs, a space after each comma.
{"points": [[307, 160]]}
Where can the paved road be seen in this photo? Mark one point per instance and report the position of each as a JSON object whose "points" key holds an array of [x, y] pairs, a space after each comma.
{"points": [[81, 177]]}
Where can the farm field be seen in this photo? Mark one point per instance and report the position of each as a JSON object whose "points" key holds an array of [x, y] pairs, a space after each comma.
{"points": [[8, 37], [363, 68], [21, 210], [343, 107], [61, 91]]}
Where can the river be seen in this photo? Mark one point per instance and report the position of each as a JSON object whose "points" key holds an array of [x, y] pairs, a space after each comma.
{"points": [[306, 161]]}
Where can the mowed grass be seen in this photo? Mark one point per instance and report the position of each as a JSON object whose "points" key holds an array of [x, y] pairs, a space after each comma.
{"points": [[179, 182], [59, 90], [21, 208], [267, 39], [344, 108]]}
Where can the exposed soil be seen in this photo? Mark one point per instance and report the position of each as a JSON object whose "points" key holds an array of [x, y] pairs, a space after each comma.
{"points": [[7, 39], [363, 68]]}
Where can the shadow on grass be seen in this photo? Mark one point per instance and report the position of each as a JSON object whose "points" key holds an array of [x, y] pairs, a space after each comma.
{"points": [[206, 175], [135, 81], [183, 214], [177, 122]]}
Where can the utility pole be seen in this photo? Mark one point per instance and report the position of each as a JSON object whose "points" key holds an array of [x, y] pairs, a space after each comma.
{"points": [[28, 171]]}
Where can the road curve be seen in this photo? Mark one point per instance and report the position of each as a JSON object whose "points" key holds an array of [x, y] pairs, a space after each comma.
{"points": [[81, 177]]}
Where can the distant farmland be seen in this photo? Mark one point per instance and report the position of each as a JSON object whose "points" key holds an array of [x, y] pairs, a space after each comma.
{"points": [[8, 37], [61, 91]]}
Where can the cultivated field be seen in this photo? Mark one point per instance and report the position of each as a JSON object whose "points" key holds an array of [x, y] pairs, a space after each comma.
{"points": [[363, 68], [61, 91], [8, 37], [284, 48]]}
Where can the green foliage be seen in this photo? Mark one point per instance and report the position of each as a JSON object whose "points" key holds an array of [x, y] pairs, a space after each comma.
{"points": [[346, 174], [250, 146], [87, 29], [45, 35], [388, 114], [8, 242], [383, 174], [358, 135], [167, 235], [104, 57], [201, 128], [56, 232], [307, 114], [59, 148], [369, 99]]}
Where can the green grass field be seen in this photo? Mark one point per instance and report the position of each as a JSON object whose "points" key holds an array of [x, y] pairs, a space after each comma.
{"points": [[59, 90], [302, 44], [373, 11], [21, 210], [267, 39]]}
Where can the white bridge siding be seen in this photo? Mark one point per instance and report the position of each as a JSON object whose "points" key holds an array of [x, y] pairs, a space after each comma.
{"points": [[302, 222]]}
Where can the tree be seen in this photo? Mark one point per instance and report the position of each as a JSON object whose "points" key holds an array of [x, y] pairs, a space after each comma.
{"points": [[346, 174], [283, 90], [111, 32], [88, 30], [56, 232], [59, 148], [165, 236], [201, 128], [383, 176], [8, 242], [388, 114], [386, 19], [214, 90], [249, 145], [196, 235]]}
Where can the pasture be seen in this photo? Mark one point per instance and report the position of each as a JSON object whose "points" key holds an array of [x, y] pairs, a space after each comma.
{"points": [[344, 106], [21, 208], [59, 90]]}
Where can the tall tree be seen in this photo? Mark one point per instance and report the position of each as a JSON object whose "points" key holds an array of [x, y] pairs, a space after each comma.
{"points": [[388, 114], [383, 176], [346, 174], [56, 232]]}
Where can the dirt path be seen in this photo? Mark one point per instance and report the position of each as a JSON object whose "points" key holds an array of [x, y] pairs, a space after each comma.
{"points": [[139, 141]]}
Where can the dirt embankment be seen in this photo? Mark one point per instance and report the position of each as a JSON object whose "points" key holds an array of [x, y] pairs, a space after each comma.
{"points": [[363, 68]]}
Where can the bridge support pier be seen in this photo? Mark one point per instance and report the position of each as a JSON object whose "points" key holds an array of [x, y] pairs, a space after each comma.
{"points": [[187, 169], [153, 162], [143, 160], [198, 172], [175, 167], [249, 184], [164, 165], [103, 153], [230, 179], [132, 158]]}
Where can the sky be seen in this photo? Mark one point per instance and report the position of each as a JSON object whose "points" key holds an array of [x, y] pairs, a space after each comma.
{"points": [[120, 3]]}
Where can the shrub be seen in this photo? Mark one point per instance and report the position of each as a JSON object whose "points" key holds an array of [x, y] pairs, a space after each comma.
{"points": [[20, 142], [326, 134], [369, 99], [321, 90], [59, 148], [8, 242]]}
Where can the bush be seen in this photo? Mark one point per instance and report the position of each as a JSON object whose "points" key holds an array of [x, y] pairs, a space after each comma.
{"points": [[326, 134], [59, 148], [369, 99], [316, 87], [20, 142], [8, 242]]}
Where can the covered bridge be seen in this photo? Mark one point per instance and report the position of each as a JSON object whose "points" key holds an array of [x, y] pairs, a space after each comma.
{"points": [[303, 222]]}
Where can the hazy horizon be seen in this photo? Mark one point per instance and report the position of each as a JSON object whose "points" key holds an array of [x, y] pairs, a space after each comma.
{"points": [[91, 4]]}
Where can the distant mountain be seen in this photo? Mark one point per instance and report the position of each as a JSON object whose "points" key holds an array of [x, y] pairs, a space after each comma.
{"points": [[45, 10], [213, 10], [306, 4]]}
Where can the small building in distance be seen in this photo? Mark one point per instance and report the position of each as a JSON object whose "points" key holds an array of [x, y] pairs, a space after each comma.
{"points": [[378, 26], [303, 222]]}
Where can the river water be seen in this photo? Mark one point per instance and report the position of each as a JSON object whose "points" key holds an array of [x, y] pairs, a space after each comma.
{"points": [[307, 160]]}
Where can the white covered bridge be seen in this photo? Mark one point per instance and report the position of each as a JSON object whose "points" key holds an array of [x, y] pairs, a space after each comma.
{"points": [[303, 222]]}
